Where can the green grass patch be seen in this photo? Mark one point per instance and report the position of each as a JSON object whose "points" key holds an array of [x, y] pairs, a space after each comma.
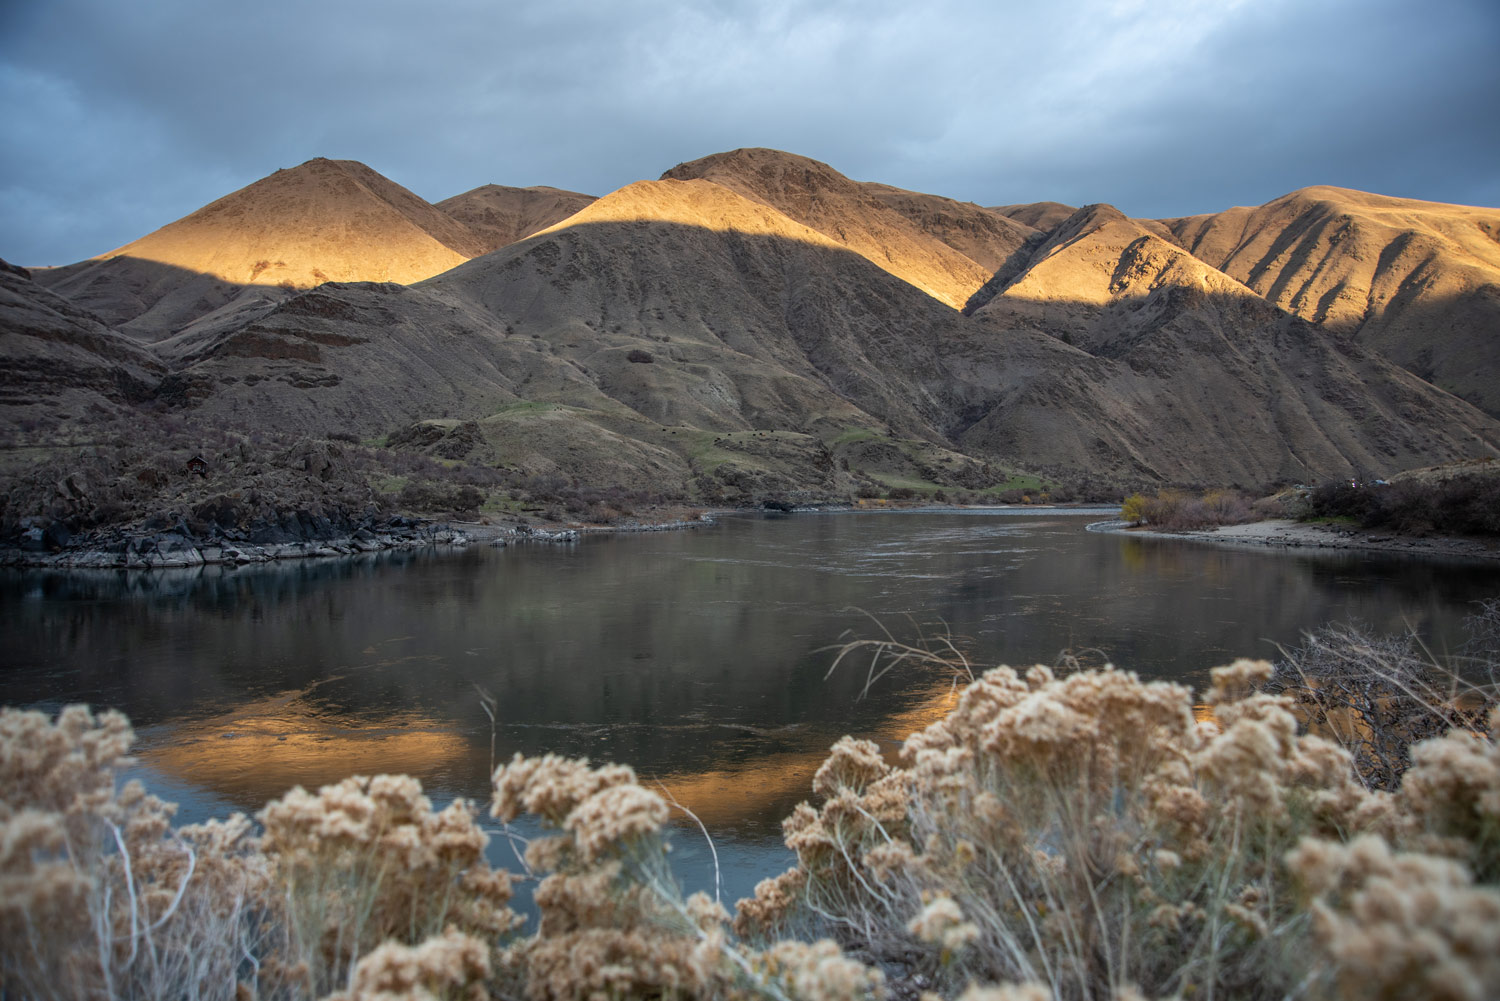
{"points": [[851, 435], [1018, 481], [503, 504], [708, 450], [1341, 520]]}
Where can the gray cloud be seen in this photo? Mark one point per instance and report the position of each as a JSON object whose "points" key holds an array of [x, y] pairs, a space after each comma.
{"points": [[124, 117]]}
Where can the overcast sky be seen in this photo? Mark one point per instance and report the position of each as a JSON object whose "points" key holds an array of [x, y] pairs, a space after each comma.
{"points": [[122, 116]]}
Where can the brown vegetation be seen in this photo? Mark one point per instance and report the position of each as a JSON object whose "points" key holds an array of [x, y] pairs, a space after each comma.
{"points": [[1087, 836], [1457, 505], [1178, 511]]}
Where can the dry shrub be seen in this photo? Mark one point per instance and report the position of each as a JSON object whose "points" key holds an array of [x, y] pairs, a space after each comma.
{"points": [[368, 861], [1379, 696], [1461, 504], [1483, 627], [99, 896], [449, 966], [1086, 833], [1400, 924], [613, 922], [1177, 511]]}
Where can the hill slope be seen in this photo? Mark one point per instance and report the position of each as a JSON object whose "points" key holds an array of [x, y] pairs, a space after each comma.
{"points": [[984, 236], [1045, 216], [1202, 379], [1417, 281], [744, 313], [326, 220], [671, 308], [821, 198], [674, 328], [500, 216], [59, 363]]}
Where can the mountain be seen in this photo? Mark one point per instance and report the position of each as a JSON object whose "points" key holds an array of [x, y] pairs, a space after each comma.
{"points": [[1193, 376], [984, 236], [669, 330], [1045, 216], [500, 216], [752, 324], [59, 362], [326, 220], [846, 212], [1417, 281], [650, 328]]}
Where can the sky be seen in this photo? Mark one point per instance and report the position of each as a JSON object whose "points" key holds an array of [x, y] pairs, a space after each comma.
{"points": [[121, 117]]}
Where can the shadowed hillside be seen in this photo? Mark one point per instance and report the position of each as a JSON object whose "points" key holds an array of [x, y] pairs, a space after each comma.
{"points": [[1192, 375], [500, 216], [754, 326], [1417, 281], [821, 198], [59, 361]]}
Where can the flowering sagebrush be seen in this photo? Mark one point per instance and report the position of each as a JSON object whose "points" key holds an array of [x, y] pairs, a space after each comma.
{"points": [[1086, 833], [1079, 837], [1451, 795], [452, 966], [366, 861], [613, 923], [1400, 924], [99, 896]]}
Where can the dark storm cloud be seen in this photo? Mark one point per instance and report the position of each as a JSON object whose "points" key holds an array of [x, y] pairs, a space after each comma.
{"points": [[121, 117]]}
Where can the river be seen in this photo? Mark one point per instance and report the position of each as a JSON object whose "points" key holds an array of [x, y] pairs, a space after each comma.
{"points": [[701, 657]]}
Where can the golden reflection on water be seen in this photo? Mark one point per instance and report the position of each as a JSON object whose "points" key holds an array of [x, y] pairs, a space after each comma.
{"points": [[743, 793], [261, 749], [257, 751]]}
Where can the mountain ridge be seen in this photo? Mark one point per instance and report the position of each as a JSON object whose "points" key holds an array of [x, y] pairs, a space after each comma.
{"points": [[1419, 281], [755, 323]]}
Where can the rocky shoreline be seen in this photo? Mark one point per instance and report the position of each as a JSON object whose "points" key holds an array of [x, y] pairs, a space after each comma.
{"points": [[1287, 534], [175, 550], [178, 548]]}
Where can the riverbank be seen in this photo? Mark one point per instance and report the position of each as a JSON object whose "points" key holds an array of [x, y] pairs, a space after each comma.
{"points": [[174, 550], [177, 549], [1288, 534]]}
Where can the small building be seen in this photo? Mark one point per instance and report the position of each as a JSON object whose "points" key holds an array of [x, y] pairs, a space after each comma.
{"points": [[198, 465]]}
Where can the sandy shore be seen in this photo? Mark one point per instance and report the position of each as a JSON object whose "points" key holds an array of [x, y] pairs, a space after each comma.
{"points": [[1282, 534]]}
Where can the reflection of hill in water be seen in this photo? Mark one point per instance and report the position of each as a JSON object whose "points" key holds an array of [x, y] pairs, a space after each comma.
{"points": [[698, 657], [751, 777]]}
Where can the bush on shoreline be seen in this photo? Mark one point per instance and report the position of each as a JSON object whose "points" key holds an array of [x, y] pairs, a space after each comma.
{"points": [[1088, 836], [1457, 505], [1178, 511]]}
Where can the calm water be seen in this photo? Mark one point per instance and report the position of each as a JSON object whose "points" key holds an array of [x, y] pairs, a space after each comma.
{"points": [[699, 657]]}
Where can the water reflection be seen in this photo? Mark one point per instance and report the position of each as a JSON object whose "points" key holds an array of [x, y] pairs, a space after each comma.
{"points": [[263, 748], [699, 657]]}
